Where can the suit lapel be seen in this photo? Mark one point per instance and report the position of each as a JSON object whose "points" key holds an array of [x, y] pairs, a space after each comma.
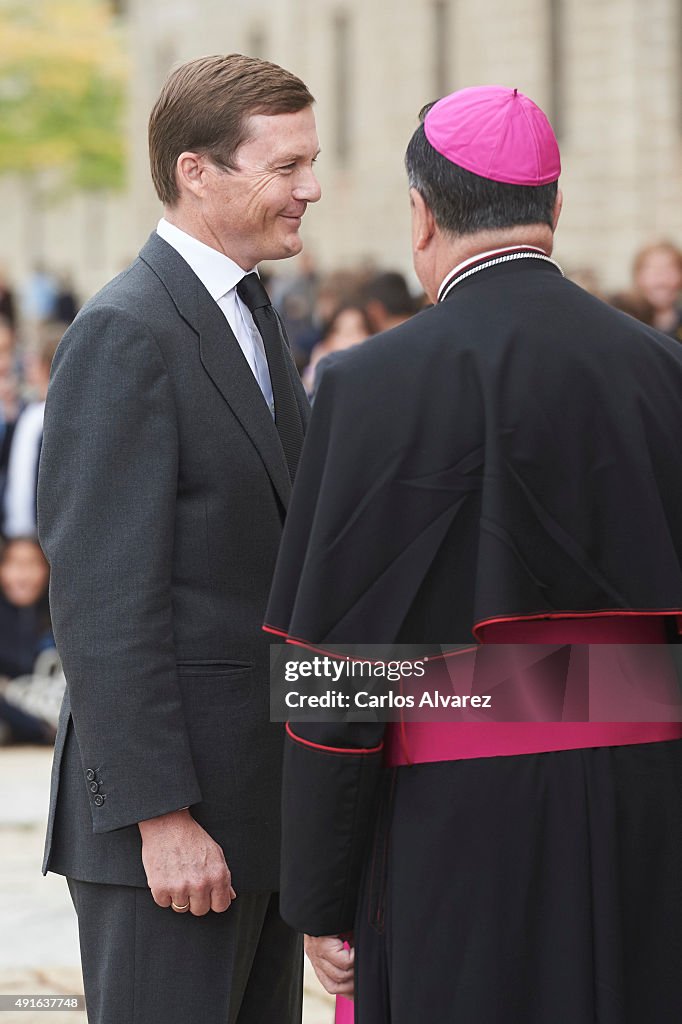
{"points": [[221, 356]]}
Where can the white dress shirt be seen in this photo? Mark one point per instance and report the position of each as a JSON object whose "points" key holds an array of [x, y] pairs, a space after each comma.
{"points": [[220, 276]]}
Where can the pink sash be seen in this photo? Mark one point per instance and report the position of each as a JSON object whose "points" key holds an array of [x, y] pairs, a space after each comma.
{"points": [[420, 742]]}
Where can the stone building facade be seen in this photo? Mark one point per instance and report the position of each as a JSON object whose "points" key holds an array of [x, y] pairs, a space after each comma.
{"points": [[609, 73]]}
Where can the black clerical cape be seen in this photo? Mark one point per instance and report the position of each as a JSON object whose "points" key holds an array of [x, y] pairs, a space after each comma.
{"points": [[511, 452]]}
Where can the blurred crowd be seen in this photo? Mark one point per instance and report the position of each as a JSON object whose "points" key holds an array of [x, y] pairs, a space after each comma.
{"points": [[32, 322], [324, 314], [655, 292]]}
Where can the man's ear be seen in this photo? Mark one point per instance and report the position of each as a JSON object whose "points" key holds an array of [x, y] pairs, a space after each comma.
{"points": [[423, 224], [191, 170], [558, 204]]}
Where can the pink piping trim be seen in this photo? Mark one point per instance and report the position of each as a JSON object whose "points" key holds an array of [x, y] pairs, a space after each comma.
{"points": [[573, 615], [277, 632], [295, 642], [333, 750], [676, 612]]}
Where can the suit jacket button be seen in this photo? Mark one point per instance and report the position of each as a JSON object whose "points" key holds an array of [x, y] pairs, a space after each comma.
{"points": [[90, 775], [99, 800], [94, 787]]}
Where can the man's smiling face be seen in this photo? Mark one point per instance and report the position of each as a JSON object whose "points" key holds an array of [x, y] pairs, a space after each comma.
{"points": [[253, 212]]}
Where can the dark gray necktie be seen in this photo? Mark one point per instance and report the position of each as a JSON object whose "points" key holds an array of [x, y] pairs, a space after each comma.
{"points": [[287, 416]]}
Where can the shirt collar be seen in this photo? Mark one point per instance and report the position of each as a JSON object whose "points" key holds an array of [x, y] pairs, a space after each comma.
{"points": [[490, 254], [216, 271]]}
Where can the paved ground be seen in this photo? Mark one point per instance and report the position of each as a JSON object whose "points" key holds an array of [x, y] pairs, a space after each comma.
{"points": [[38, 937]]}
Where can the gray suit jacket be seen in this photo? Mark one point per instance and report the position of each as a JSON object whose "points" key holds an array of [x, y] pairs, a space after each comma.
{"points": [[162, 492]]}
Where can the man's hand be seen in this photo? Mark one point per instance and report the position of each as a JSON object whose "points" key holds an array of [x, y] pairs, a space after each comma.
{"points": [[332, 962], [184, 866]]}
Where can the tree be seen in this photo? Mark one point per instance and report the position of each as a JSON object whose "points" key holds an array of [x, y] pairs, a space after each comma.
{"points": [[62, 93]]}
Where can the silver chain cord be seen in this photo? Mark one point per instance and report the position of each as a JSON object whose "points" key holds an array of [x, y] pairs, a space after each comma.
{"points": [[492, 263]]}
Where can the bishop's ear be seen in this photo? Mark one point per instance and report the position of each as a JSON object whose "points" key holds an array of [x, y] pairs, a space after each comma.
{"points": [[423, 224]]}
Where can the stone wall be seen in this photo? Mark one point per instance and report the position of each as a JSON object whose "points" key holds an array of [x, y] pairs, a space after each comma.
{"points": [[609, 71]]}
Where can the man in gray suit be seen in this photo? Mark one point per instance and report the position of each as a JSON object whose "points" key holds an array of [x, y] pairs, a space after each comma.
{"points": [[173, 426]]}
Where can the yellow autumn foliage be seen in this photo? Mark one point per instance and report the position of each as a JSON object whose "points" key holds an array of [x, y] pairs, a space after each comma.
{"points": [[63, 74]]}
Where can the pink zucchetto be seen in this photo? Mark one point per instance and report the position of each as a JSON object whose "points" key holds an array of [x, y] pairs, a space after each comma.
{"points": [[496, 133]]}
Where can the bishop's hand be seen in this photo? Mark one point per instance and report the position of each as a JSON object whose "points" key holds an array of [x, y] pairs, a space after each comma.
{"points": [[332, 962]]}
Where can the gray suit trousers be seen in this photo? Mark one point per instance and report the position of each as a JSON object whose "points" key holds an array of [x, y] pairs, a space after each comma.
{"points": [[143, 964]]}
